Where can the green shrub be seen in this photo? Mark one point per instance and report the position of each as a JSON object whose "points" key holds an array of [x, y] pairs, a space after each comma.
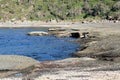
{"points": [[116, 6], [57, 9]]}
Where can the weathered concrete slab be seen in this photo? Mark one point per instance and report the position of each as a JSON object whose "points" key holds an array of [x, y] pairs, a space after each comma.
{"points": [[14, 62]]}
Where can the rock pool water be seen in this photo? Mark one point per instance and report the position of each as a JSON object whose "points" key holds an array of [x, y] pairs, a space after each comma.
{"points": [[42, 48]]}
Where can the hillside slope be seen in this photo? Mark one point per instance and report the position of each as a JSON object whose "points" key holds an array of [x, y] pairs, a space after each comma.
{"points": [[46, 10]]}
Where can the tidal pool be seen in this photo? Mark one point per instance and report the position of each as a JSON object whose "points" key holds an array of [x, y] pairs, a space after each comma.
{"points": [[42, 48]]}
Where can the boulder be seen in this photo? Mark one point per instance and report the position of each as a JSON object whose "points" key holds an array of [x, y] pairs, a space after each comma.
{"points": [[85, 35], [37, 33], [14, 62], [75, 29], [72, 34], [52, 29], [75, 34], [56, 29], [62, 34]]}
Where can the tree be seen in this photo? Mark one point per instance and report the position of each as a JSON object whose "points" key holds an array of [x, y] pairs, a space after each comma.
{"points": [[100, 9], [87, 9], [116, 6]]}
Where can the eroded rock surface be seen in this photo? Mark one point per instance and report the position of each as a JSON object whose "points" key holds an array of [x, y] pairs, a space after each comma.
{"points": [[10, 64]]}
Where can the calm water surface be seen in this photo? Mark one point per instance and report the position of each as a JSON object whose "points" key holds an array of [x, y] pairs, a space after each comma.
{"points": [[16, 42]]}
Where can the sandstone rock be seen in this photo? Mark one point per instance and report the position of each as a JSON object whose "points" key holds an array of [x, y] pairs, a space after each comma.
{"points": [[85, 35], [72, 34], [62, 34], [75, 34], [37, 33], [56, 29], [75, 29], [14, 62], [52, 29], [84, 22]]}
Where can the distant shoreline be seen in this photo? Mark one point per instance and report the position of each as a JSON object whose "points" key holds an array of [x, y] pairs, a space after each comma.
{"points": [[37, 24]]}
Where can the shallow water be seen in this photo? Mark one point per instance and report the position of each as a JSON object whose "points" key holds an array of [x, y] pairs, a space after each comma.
{"points": [[42, 48]]}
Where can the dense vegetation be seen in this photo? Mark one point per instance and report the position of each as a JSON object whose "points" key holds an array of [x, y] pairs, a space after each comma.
{"points": [[59, 9]]}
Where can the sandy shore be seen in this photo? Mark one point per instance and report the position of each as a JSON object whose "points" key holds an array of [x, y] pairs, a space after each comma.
{"points": [[27, 24]]}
